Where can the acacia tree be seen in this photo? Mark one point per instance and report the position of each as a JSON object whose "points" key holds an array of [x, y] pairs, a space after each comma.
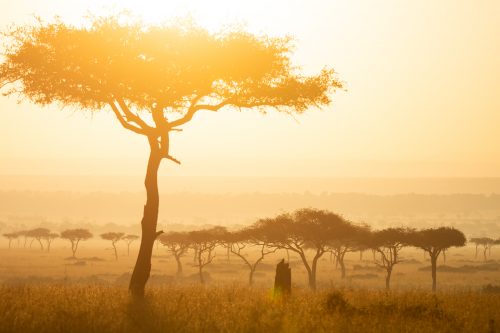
{"points": [[75, 236], [177, 243], [388, 243], [24, 234], [155, 79], [240, 240], [303, 230], [206, 241], [49, 238], [11, 236], [434, 241], [129, 239], [351, 239], [486, 242], [114, 237], [38, 234]]}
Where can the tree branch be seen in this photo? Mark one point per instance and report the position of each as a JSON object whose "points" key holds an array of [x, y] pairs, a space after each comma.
{"points": [[132, 116], [123, 122], [195, 108]]}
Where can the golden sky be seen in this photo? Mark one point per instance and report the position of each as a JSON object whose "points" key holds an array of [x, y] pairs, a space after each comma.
{"points": [[422, 99]]}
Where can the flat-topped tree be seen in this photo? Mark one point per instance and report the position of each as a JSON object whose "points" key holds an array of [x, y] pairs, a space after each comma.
{"points": [[303, 230], [251, 237], [388, 243], [177, 243], [50, 238], [39, 234], [434, 241], [155, 79], [114, 237], [11, 236], [486, 243], [205, 242], [75, 236], [129, 239]]}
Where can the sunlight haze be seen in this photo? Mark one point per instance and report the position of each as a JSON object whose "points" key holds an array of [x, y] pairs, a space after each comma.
{"points": [[422, 97]]}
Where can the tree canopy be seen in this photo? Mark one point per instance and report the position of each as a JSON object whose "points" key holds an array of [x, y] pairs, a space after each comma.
{"points": [[177, 68]]}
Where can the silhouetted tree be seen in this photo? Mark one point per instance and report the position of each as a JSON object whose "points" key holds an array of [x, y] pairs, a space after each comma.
{"points": [[129, 239], [388, 243], [302, 230], [24, 234], [114, 237], [11, 236], [168, 73], [351, 239], [177, 243], [206, 241], [476, 242], [486, 242], [434, 241], [249, 238], [39, 234], [75, 236], [49, 238]]}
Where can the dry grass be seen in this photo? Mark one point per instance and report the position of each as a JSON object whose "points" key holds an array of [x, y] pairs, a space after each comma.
{"points": [[45, 292], [235, 309]]}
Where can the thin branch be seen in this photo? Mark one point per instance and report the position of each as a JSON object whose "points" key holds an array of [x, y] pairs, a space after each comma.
{"points": [[195, 108], [123, 122], [132, 116], [168, 157]]}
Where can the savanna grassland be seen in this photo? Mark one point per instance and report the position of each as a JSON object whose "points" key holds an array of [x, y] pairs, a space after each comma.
{"points": [[233, 308], [51, 292]]}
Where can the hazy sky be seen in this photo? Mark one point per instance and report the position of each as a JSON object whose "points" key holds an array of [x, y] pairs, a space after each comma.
{"points": [[422, 98]]}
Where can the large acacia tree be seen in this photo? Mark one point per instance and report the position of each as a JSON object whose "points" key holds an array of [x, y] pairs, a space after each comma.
{"points": [[434, 241], [155, 79], [303, 231]]}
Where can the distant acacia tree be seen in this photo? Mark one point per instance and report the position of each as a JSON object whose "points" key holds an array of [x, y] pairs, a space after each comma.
{"points": [[245, 239], [49, 238], [303, 230], [177, 243], [156, 79], [39, 234], [24, 234], [11, 236], [434, 241], [206, 241], [486, 242], [129, 239], [75, 236], [351, 238], [388, 243], [114, 237]]}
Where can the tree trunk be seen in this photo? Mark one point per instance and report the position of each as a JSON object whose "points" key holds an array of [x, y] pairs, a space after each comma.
{"points": [[388, 278], [434, 269], [342, 265], [250, 276], [476, 252], [312, 274], [179, 265], [149, 221], [41, 244], [128, 249], [10, 241], [116, 253], [484, 253], [195, 253], [202, 280]]}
